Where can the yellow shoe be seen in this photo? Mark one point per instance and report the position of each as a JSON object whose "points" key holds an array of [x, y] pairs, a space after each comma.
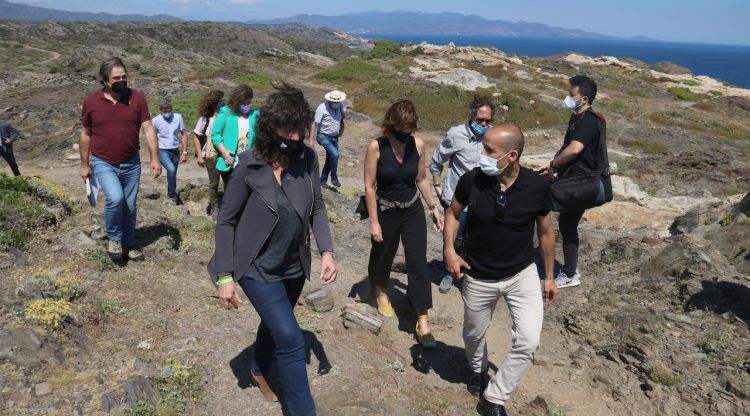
{"points": [[386, 309]]}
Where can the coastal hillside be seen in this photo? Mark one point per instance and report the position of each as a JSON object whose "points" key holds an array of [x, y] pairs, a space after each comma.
{"points": [[660, 325]]}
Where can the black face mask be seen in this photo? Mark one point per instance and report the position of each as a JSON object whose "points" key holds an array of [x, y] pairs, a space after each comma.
{"points": [[119, 86], [401, 136], [291, 148]]}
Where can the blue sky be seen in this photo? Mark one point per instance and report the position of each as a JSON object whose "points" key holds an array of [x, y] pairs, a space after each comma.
{"points": [[704, 21]]}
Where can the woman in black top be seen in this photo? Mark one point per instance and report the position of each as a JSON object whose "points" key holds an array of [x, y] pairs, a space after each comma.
{"points": [[394, 178], [263, 241]]}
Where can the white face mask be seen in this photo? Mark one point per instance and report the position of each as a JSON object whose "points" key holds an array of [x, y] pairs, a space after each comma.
{"points": [[570, 104], [489, 165]]}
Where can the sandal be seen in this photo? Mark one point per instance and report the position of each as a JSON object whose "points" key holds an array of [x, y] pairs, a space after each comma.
{"points": [[385, 309], [265, 388]]}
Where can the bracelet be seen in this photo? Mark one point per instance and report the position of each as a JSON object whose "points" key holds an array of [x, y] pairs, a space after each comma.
{"points": [[432, 206], [224, 280], [437, 185]]}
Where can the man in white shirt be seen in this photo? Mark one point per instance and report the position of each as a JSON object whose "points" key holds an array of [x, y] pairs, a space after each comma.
{"points": [[327, 128], [173, 143]]}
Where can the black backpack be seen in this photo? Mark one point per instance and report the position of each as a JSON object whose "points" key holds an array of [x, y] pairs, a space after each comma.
{"points": [[579, 188]]}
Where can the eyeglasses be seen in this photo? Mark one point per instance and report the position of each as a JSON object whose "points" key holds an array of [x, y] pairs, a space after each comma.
{"points": [[484, 120], [119, 78], [500, 202]]}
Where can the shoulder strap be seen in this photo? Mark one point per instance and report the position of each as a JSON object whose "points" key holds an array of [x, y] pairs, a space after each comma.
{"points": [[205, 126], [602, 158]]}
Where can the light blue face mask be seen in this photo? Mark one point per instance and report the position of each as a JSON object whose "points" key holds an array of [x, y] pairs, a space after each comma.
{"points": [[336, 106], [167, 116], [478, 129]]}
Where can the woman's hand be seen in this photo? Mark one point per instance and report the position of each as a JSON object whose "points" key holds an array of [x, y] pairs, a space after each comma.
{"points": [[437, 219], [228, 296], [328, 270], [376, 233], [228, 159], [201, 161], [183, 158]]}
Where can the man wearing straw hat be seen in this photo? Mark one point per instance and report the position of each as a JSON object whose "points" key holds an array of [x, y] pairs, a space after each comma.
{"points": [[327, 128]]}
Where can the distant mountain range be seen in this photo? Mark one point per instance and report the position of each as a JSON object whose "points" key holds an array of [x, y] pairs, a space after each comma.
{"points": [[18, 11], [411, 23]]}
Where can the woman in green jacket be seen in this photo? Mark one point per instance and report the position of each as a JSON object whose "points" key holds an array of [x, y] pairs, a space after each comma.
{"points": [[234, 129]]}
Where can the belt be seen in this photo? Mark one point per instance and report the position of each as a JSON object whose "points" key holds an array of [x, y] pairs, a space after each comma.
{"points": [[384, 203]]}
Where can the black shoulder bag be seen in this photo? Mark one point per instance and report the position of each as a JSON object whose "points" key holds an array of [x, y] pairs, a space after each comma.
{"points": [[580, 188]]}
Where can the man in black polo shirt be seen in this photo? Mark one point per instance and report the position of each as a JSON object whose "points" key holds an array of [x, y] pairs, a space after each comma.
{"points": [[505, 202], [580, 148]]}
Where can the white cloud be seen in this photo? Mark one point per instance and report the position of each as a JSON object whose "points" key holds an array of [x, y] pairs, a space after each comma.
{"points": [[244, 1]]}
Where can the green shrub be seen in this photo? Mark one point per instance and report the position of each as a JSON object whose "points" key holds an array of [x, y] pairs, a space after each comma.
{"points": [[383, 49], [685, 94], [715, 344], [258, 80], [625, 163], [140, 408], [644, 146], [100, 259], [27, 204], [416, 51], [353, 70], [178, 384], [690, 82]]}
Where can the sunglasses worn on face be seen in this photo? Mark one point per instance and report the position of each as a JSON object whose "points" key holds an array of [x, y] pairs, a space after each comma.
{"points": [[484, 120]]}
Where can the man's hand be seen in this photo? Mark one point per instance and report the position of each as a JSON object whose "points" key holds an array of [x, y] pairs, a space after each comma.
{"points": [[7, 141], [155, 168], [546, 169], [454, 263], [328, 270], [183, 158], [85, 171], [438, 191], [228, 296], [201, 161], [550, 291]]}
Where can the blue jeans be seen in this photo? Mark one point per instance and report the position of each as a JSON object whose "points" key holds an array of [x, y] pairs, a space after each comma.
{"points": [[120, 186], [280, 337], [170, 159], [331, 144]]}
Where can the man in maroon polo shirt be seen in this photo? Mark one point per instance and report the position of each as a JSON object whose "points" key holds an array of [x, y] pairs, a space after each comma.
{"points": [[112, 119]]}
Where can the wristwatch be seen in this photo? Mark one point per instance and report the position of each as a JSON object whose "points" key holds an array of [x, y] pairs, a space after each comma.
{"points": [[185, 152]]}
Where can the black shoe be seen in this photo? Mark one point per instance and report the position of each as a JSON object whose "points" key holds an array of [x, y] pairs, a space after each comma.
{"points": [[486, 408], [324, 184], [335, 182], [477, 383]]}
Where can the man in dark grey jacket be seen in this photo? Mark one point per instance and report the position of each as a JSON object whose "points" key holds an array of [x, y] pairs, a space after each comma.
{"points": [[8, 135]]}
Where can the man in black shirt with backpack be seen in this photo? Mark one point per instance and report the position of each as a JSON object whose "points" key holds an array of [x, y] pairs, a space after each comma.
{"points": [[581, 151]]}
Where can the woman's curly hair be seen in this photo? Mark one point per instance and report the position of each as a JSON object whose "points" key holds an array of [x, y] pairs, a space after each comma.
{"points": [[285, 110], [209, 103]]}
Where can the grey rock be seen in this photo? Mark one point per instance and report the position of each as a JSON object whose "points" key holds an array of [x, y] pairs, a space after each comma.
{"points": [[23, 347], [84, 240], [744, 205], [319, 300], [315, 60], [43, 389], [133, 389]]}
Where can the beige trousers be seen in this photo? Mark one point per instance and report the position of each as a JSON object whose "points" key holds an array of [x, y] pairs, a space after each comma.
{"points": [[523, 295]]}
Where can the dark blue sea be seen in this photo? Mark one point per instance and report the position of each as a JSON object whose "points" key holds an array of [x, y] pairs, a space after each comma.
{"points": [[728, 63]]}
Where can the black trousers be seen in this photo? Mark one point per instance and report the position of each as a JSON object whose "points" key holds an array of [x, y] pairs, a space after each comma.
{"points": [[410, 227], [569, 232], [6, 151]]}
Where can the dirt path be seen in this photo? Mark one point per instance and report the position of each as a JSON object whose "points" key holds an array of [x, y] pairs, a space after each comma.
{"points": [[55, 56], [386, 374]]}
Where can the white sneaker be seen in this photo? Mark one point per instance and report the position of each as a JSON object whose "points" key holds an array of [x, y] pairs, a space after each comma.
{"points": [[562, 280]]}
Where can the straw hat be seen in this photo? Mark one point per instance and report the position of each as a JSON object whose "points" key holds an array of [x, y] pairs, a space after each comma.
{"points": [[335, 96]]}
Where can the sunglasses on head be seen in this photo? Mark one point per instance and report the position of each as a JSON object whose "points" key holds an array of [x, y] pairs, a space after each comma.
{"points": [[500, 202]]}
